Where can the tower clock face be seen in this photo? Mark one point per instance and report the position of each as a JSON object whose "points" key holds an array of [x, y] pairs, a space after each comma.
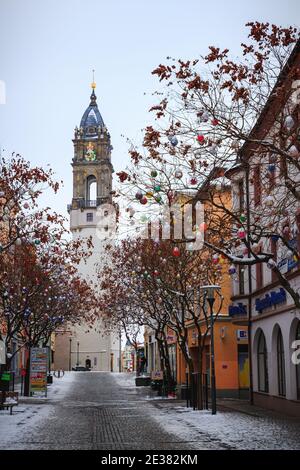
{"points": [[90, 154]]}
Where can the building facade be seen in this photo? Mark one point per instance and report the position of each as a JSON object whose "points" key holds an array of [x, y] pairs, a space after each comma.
{"points": [[91, 202], [258, 294]]}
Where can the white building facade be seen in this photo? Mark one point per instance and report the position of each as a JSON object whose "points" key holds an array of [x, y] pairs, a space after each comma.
{"points": [[260, 298], [92, 347]]}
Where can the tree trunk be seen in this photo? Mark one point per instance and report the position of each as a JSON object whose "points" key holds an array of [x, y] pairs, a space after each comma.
{"points": [[27, 376]]}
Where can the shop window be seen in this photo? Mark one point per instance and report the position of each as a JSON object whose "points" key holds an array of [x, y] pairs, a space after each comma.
{"points": [[89, 217]]}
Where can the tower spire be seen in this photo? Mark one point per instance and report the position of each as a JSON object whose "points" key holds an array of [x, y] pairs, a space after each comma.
{"points": [[93, 84]]}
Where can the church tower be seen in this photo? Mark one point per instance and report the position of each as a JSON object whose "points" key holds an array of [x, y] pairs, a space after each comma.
{"points": [[92, 188], [92, 170]]}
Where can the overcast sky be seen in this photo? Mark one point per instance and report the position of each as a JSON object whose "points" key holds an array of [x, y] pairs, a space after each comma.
{"points": [[48, 49]]}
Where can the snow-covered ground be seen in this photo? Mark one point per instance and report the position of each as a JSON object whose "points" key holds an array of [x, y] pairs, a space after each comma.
{"points": [[107, 411], [30, 412], [226, 429]]}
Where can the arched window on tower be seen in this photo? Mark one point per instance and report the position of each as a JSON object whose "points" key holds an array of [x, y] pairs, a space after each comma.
{"points": [[262, 364], [280, 365], [91, 190]]}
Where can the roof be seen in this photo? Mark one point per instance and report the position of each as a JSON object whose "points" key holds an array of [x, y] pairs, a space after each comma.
{"points": [[272, 97], [91, 119]]}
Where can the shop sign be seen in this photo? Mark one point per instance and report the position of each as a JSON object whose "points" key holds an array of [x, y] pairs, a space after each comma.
{"points": [[38, 371], [242, 334], [5, 376], [270, 300], [287, 263], [239, 309], [157, 375]]}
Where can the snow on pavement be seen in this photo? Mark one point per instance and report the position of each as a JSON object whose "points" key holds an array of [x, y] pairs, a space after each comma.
{"points": [[226, 429], [30, 412]]}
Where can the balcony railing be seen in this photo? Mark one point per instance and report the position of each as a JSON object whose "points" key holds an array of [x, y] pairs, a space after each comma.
{"points": [[87, 203]]}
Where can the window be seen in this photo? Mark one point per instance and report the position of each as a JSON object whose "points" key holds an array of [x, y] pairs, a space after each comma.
{"points": [[257, 185], [298, 365], [241, 196], [241, 280], [89, 217], [259, 275], [274, 251], [280, 365], [91, 188], [262, 364]]}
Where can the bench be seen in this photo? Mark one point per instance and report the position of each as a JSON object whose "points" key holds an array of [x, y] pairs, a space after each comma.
{"points": [[9, 400]]}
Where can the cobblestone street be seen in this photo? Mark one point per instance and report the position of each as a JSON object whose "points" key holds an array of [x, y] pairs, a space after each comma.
{"points": [[104, 411]]}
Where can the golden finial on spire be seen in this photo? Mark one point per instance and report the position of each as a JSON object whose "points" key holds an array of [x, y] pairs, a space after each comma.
{"points": [[93, 84]]}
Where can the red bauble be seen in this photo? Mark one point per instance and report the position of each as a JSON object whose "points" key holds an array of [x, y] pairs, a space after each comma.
{"points": [[215, 122], [176, 251], [200, 138], [144, 200]]}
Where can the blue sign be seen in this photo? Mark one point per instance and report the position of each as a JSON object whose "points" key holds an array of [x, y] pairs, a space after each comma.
{"points": [[239, 309], [274, 298]]}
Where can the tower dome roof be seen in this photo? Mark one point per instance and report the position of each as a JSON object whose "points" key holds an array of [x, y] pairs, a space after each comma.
{"points": [[91, 119]]}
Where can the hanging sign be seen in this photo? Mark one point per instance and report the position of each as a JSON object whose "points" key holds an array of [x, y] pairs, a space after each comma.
{"points": [[38, 371]]}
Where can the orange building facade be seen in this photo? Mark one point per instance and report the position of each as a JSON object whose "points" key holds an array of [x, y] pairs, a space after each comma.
{"points": [[231, 358]]}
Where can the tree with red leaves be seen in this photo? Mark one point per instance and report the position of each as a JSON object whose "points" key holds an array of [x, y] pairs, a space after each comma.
{"points": [[221, 117], [159, 290]]}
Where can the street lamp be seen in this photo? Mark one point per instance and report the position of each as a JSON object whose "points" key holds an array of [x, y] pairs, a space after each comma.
{"points": [[77, 353], [210, 297]]}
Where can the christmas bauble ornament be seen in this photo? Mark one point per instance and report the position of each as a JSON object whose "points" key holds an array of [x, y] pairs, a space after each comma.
{"points": [[214, 122], [269, 201], [173, 140], [193, 181], [241, 233], [242, 218], [289, 123], [232, 270], [176, 251], [178, 174], [215, 259], [200, 138], [139, 195], [154, 173], [271, 168], [157, 188], [144, 200], [293, 151]]}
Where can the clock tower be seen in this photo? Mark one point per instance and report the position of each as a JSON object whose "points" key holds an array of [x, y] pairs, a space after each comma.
{"points": [[92, 188], [92, 169]]}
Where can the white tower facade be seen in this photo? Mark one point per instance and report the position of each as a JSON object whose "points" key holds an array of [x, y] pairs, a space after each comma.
{"points": [[92, 187]]}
